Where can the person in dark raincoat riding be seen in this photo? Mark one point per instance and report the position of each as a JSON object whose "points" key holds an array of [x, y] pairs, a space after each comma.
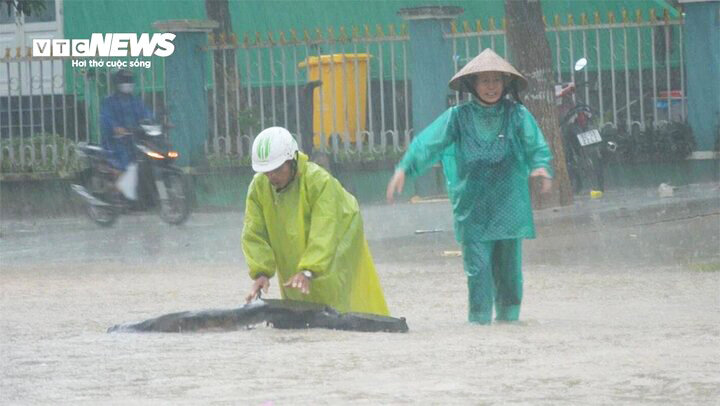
{"points": [[120, 113], [301, 224], [488, 147]]}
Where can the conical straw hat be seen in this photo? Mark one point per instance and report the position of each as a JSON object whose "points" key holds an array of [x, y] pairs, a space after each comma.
{"points": [[487, 61]]}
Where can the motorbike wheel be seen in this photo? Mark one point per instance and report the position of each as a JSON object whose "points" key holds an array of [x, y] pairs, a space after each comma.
{"points": [[594, 168], [575, 174], [574, 164], [104, 216], [176, 208]]}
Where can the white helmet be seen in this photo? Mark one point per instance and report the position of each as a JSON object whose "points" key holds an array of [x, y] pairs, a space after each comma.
{"points": [[271, 148]]}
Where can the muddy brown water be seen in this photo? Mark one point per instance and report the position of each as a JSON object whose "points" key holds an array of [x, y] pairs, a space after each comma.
{"points": [[592, 332]]}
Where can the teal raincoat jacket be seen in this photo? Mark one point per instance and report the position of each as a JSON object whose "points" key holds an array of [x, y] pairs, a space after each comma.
{"points": [[487, 154]]}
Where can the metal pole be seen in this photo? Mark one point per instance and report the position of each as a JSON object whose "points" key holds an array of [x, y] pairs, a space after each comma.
{"points": [[228, 142], [585, 71], [10, 131], [297, 99], [283, 63], [345, 107], [371, 138], [557, 56], [216, 136], [612, 77], [407, 98], [64, 104], [392, 81], [572, 60], [52, 103], [455, 65], [358, 97], [20, 116], [271, 60], [599, 75], [640, 75], [43, 153], [467, 57], [667, 70], [237, 99], [654, 76], [683, 112], [260, 87], [321, 118], [86, 93], [381, 78], [628, 107]]}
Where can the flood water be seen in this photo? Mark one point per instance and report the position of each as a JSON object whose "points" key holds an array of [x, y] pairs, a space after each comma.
{"points": [[624, 315]]}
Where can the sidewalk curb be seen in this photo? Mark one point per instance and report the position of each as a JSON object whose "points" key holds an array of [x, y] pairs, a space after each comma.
{"points": [[676, 209]]}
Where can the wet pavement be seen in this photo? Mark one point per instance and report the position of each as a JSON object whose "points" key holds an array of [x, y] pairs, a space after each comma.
{"points": [[622, 306], [215, 237]]}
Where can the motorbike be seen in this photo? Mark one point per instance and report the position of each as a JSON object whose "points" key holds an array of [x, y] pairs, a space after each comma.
{"points": [[161, 185], [584, 146]]}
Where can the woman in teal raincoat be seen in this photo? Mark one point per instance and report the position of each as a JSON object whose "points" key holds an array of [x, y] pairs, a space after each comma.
{"points": [[304, 227], [488, 147]]}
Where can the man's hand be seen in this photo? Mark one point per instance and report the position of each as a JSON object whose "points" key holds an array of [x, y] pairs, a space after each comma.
{"points": [[262, 282], [120, 131], [299, 281], [546, 180]]}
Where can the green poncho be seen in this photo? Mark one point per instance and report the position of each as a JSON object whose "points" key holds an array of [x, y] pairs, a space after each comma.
{"points": [[312, 224], [487, 154]]}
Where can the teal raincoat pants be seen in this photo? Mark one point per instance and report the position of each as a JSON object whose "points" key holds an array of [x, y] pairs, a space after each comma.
{"points": [[494, 275]]}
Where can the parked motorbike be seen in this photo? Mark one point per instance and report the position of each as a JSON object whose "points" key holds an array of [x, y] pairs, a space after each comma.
{"points": [[584, 147], [161, 185]]}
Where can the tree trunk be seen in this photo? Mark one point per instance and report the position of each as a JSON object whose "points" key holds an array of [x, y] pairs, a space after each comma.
{"points": [[531, 55], [227, 88]]}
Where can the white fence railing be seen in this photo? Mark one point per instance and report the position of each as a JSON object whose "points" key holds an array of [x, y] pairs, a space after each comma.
{"points": [[346, 93]]}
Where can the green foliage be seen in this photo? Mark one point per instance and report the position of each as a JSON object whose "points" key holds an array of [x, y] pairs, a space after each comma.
{"points": [[387, 154], [67, 162], [228, 161], [706, 267], [249, 118]]}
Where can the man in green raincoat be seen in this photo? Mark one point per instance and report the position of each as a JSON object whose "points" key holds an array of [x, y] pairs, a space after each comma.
{"points": [[303, 226], [488, 146]]}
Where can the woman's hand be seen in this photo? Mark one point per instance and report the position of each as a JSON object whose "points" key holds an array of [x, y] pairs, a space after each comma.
{"points": [[546, 179], [395, 185], [262, 282]]}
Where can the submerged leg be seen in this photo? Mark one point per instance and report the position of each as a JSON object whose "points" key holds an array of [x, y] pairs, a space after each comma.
{"points": [[507, 272], [477, 259]]}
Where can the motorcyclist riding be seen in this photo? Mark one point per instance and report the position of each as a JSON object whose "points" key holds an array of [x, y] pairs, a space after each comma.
{"points": [[120, 113]]}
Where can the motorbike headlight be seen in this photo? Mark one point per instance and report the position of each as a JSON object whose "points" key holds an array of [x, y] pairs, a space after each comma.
{"points": [[152, 154], [173, 154]]}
